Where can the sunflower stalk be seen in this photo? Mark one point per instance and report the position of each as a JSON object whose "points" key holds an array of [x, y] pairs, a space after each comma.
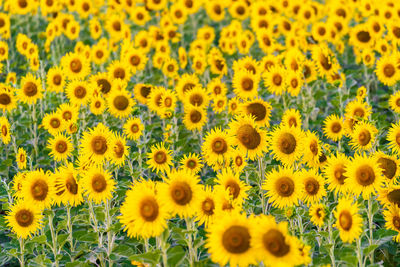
{"points": [[359, 253], [331, 241], [22, 252], [261, 175], [370, 226], [53, 238], [109, 232], [69, 227], [192, 251]]}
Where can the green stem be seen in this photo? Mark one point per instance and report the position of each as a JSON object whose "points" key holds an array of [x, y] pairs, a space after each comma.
{"points": [[370, 226], [359, 254], [192, 250], [22, 247], [109, 233], [162, 246], [53, 238], [261, 176], [69, 226], [331, 241]]}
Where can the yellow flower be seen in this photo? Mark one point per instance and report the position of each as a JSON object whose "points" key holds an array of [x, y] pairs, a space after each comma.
{"points": [[133, 128], [24, 219], [21, 158], [31, 89], [98, 184], [348, 220], [160, 158], [317, 214], [38, 189], [68, 188]]}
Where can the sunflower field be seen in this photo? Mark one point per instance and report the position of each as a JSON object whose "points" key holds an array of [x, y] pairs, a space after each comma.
{"points": [[199, 133]]}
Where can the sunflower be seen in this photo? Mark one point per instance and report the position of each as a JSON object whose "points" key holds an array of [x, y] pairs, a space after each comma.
{"points": [[363, 136], [312, 150], [136, 59], [196, 97], [154, 100], [215, 10], [120, 103], [364, 176], [333, 127], [98, 184], [216, 147], [96, 144], [216, 87], [55, 79], [393, 137], [140, 15], [69, 113], [245, 84], [31, 89], [160, 158], [120, 150], [238, 161], [101, 82], [317, 214], [180, 192], [325, 60], [38, 189], [309, 71], [142, 92], [230, 182], [21, 158], [191, 162], [119, 70], [335, 173], [292, 118], [229, 240], [286, 144], [79, 92], [389, 195], [272, 243], [17, 183], [282, 187], [354, 111], [394, 102], [53, 123], [75, 66], [387, 70], [348, 220], [24, 219], [68, 188], [259, 109], [61, 147], [97, 105], [8, 101], [361, 37], [205, 210], [99, 54], [392, 220], [275, 80], [133, 128], [389, 165], [313, 186], [143, 213], [249, 138], [195, 118]]}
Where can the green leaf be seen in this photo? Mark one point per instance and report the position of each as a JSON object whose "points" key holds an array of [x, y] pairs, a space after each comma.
{"points": [[123, 250], [152, 257], [85, 236], [369, 249], [176, 255], [38, 239]]}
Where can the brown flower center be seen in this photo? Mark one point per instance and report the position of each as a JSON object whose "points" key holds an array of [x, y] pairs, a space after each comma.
{"points": [[336, 127], [287, 143], [191, 164], [67, 115], [55, 123], [311, 186], [71, 185], [248, 136], [389, 70], [338, 173], [119, 149], [149, 209], [160, 157], [238, 161], [80, 92], [277, 79], [5, 99], [99, 183], [30, 89], [284, 186], [39, 190], [219, 146], [119, 73], [57, 79], [394, 197], [236, 239], [365, 175], [61, 146], [104, 85], [195, 116], [196, 99], [208, 206], [345, 220], [181, 193], [121, 102], [247, 84], [364, 138], [4, 130], [134, 128], [258, 110], [274, 242], [389, 167], [314, 147], [325, 63], [363, 36], [24, 217], [99, 145], [75, 65], [233, 187]]}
